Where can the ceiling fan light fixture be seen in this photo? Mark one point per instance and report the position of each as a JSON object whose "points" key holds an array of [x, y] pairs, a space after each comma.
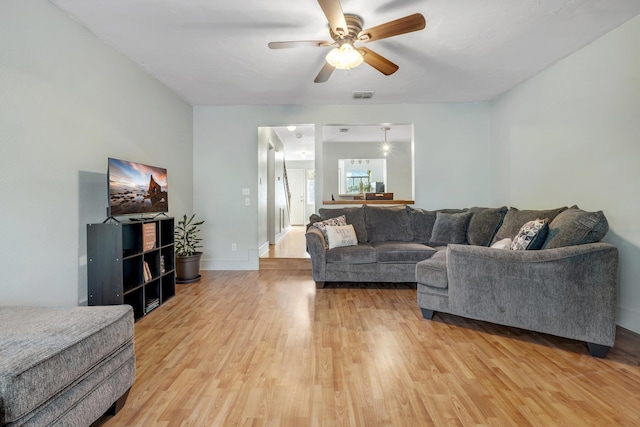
{"points": [[344, 57]]}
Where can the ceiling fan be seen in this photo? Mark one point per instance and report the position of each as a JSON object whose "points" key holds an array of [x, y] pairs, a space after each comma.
{"points": [[346, 29]]}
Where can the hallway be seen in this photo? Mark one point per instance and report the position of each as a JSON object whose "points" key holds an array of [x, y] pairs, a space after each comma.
{"points": [[289, 253]]}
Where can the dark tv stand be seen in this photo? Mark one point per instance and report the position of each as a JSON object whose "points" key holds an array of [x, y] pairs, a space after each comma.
{"points": [[126, 266]]}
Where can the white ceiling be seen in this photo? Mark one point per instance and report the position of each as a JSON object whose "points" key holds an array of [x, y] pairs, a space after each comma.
{"points": [[299, 144], [214, 52]]}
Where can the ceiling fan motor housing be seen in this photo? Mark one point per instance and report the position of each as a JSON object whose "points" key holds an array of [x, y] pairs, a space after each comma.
{"points": [[354, 27]]}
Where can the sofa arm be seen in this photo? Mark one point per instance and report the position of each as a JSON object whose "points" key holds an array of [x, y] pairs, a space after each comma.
{"points": [[317, 248], [569, 291]]}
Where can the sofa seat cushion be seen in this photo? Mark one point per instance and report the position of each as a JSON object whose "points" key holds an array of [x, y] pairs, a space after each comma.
{"points": [[363, 253], [433, 271], [45, 350], [402, 252]]}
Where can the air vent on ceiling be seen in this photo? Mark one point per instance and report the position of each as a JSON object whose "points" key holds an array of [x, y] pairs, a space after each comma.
{"points": [[362, 94]]}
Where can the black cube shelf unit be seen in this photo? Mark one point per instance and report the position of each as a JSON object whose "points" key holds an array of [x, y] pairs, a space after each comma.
{"points": [[131, 263]]}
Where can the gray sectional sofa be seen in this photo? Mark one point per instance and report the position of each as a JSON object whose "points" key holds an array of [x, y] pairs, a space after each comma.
{"points": [[565, 284], [386, 249], [64, 366]]}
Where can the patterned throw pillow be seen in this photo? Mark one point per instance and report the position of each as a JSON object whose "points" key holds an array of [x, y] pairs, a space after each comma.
{"points": [[322, 225], [341, 235], [531, 236]]}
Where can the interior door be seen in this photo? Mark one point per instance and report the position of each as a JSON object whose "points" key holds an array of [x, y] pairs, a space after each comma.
{"points": [[297, 187]]}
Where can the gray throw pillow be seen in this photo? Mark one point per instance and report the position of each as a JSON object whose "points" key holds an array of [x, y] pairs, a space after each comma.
{"points": [[388, 223], [484, 224], [515, 218], [421, 223], [354, 216], [576, 227], [450, 228]]}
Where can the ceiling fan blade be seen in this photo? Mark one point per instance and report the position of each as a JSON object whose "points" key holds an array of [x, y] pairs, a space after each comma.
{"points": [[333, 11], [325, 73], [404, 25], [299, 43], [378, 62]]}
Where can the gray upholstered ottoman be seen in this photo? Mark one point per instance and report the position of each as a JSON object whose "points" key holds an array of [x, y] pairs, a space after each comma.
{"points": [[64, 366]]}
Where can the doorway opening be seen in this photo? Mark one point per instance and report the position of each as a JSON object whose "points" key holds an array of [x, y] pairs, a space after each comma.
{"points": [[286, 190]]}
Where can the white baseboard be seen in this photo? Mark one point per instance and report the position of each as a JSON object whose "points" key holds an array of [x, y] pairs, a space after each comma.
{"points": [[282, 234], [264, 248]]}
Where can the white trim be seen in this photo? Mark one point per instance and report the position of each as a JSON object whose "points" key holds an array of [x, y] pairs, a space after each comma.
{"points": [[264, 248]]}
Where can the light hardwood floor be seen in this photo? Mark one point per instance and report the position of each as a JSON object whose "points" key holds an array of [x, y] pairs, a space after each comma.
{"points": [[265, 348], [289, 253], [291, 245]]}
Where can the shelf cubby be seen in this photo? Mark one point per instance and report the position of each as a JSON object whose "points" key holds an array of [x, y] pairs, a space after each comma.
{"points": [[168, 286]]}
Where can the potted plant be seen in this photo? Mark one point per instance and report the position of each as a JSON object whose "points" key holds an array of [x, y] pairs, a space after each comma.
{"points": [[187, 244]]}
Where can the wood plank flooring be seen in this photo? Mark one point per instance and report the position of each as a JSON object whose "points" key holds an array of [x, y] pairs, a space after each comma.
{"points": [[265, 348], [289, 253]]}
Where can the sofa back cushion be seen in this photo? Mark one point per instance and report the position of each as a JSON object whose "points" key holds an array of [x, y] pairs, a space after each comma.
{"points": [[421, 223], [576, 227], [484, 224], [388, 223], [354, 216], [515, 219]]}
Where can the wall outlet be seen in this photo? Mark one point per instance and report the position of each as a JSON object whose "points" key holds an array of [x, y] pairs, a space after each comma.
{"points": [[246, 192], [247, 201], [234, 247]]}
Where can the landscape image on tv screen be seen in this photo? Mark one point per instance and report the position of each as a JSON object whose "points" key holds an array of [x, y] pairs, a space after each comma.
{"points": [[136, 188]]}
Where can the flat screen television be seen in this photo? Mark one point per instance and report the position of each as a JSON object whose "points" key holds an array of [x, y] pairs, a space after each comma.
{"points": [[135, 188]]}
